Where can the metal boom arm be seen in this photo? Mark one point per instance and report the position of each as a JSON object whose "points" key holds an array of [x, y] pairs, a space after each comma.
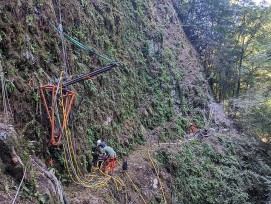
{"points": [[89, 75]]}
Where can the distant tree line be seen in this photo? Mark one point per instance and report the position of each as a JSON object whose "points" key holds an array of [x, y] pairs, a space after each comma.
{"points": [[233, 38]]}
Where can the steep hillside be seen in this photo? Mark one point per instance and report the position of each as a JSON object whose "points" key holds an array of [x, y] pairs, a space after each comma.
{"points": [[157, 62], [153, 95]]}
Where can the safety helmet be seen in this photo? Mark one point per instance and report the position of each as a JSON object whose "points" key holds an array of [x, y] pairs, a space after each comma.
{"points": [[102, 145], [99, 142]]}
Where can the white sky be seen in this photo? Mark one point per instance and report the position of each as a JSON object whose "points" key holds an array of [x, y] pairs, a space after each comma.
{"points": [[258, 1]]}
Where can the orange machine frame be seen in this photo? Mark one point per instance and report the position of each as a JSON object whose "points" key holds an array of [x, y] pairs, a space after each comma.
{"points": [[68, 98]]}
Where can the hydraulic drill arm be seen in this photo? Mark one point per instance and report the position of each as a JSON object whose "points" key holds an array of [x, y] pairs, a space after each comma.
{"points": [[89, 75], [67, 99]]}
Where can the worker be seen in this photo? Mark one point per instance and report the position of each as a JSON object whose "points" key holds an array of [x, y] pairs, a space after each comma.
{"points": [[109, 156], [192, 128]]}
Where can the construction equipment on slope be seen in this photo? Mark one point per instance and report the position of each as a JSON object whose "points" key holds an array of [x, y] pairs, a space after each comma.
{"points": [[68, 98]]}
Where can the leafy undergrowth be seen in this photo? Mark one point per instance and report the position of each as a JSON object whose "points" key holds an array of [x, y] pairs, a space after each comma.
{"points": [[222, 169]]}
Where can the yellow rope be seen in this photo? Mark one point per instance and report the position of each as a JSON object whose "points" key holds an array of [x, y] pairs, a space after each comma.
{"points": [[157, 174], [75, 167], [74, 171], [134, 185]]}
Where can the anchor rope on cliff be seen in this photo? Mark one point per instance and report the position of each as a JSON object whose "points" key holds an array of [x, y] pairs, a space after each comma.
{"points": [[60, 27], [82, 46], [6, 105]]}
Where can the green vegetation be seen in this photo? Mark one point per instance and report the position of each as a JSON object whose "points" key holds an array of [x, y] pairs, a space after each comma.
{"points": [[158, 87], [120, 107], [219, 170], [233, 40]]}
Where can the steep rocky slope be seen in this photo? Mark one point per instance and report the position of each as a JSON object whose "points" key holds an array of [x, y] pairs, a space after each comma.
{"points": [[146, 38], [153, 95]]}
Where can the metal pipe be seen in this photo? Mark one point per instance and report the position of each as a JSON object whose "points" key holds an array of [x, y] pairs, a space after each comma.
{"points": [[89, 75]]}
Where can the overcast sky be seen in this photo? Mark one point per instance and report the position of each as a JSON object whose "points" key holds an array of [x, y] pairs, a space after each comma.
{"points": [[258, 1]]}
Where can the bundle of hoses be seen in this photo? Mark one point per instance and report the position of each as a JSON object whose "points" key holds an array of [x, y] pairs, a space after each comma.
{"points": [[89, 75], [70, 160]]}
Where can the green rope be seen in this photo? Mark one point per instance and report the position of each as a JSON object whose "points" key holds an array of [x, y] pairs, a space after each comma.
{"points": [[88, 49]]}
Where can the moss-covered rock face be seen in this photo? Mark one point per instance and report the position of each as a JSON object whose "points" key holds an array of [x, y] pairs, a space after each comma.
{"points": [[157, 82], [9, 140]]}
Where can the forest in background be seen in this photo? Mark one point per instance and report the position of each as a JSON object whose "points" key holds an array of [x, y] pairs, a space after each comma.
{"points": [[154, 94], [233, 39]]}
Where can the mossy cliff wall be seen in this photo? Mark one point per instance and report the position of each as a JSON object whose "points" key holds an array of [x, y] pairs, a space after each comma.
{"points": [[159, 79]]}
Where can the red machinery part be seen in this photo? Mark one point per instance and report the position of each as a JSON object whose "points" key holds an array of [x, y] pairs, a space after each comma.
{"points": [[68, 99]]}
